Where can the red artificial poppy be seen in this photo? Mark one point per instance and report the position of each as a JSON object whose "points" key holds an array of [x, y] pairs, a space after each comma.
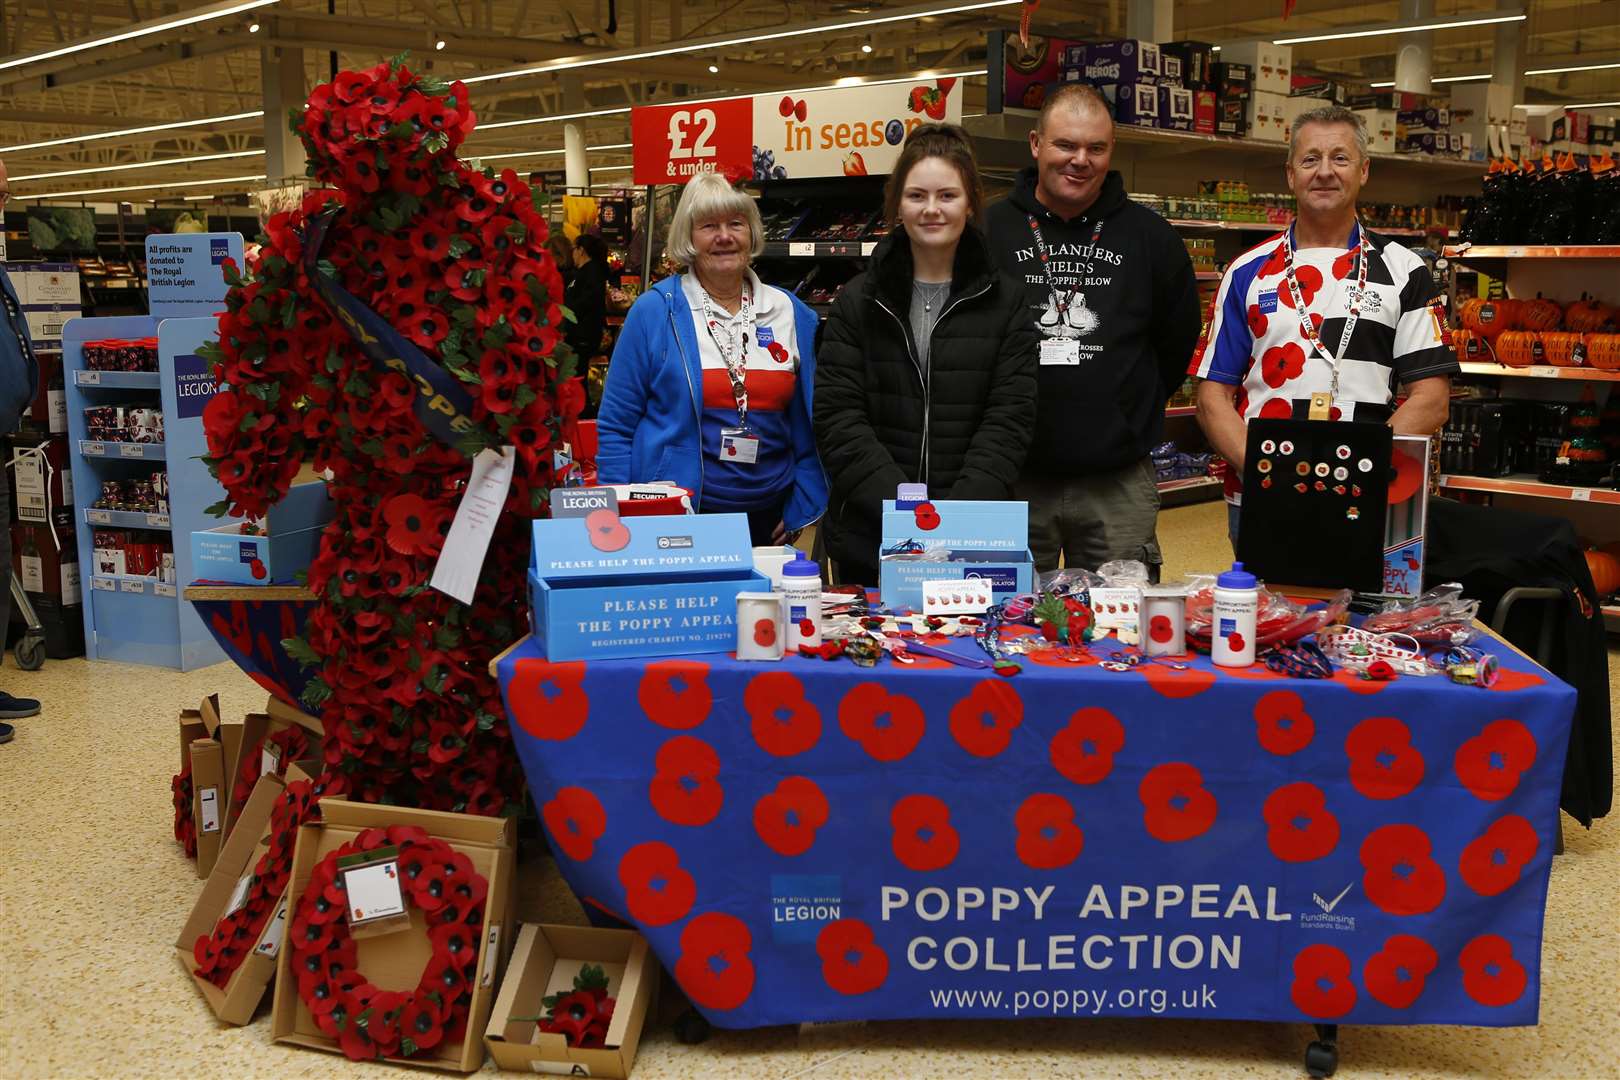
{"points": [[675, 693], [1490, 764], [1395, 975], [887, 726], [1257, 322], [657, 890], [570, 398], [1322, 988], [547, 699], [410, 519], [605, 531], [350, 86], [1175, 804], [1281, 363], [1048, 837], [427, 328], [429, 242], [714, 967], [1300, 828], [927, 516], [1399, 875], [982, 723], [1084, 750], [923, 838], [779, 352], [1406, 477], [851, 960], [1282, 723], [685, 790], [1491, 976], [1383, 762], [783, 722], [1493, 862], [787, 817], [576, 820]]}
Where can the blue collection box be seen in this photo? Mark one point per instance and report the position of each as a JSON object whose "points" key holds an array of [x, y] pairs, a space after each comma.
{"points": [[292, 535], [979, 540], [665, 585]]}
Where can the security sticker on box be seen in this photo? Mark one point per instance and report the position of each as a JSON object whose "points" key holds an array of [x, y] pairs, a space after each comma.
{"points": [[208, 800], [274, 931]]}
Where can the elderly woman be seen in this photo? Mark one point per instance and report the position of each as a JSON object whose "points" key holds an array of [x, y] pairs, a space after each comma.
{"points": [[709, 385]]}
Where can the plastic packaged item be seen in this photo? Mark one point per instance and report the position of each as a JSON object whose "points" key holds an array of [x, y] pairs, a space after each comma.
{"points": [[1439, 617], [1236, 616], [801, 584], [1164, 620]]}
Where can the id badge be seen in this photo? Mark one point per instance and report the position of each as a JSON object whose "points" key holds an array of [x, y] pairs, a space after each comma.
{"points": [[739, 446], [1060, 351]]}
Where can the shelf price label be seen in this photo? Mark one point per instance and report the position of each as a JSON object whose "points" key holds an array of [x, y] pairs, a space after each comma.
{"points": [[161, 589], [158, 521], [132, 450], [800, 249], [98, 517], [132, 585], [93, 449], [105, 584], [673, 143], [89, 378], [868, 246], [1581, 494]]}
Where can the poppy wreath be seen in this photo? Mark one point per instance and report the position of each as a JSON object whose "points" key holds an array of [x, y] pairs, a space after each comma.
{"points": [[220, 953], [290, 742], [454, 258], [185, 828], [369, 1022]]}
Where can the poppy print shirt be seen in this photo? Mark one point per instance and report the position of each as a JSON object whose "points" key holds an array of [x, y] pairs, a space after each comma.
{"points": [[1256, 343]]}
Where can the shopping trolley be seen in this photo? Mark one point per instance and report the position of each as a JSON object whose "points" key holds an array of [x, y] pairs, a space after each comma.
{"points": [[30, 648]]}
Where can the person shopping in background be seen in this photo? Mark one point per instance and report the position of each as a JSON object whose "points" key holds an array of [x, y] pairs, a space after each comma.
{"points": [[1115, 298], [928, 359], [1371, 317], [586, 297], [710, 382]]}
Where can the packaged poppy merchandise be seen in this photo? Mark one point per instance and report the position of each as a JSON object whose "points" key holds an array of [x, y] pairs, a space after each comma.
{"points": [[269, 743], [573, 1001], [196, 725], [398, 922]]}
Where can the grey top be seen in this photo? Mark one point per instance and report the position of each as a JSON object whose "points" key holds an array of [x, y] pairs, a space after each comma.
{"points": [[927, 301]]}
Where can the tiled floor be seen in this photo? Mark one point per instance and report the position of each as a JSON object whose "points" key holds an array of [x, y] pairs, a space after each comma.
{"points": [[93, 892]]}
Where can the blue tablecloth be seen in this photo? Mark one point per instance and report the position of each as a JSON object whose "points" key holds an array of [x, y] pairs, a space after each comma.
{"points": [[810, 840], [251, 633]]}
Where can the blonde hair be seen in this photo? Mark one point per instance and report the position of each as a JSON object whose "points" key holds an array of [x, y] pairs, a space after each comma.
{"points": [[706, 197]]}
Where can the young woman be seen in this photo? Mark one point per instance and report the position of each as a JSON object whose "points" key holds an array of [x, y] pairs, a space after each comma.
{"points": [[927, 366], [709, 386]]}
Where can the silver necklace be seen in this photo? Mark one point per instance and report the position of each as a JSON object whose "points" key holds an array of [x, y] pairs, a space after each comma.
{"points": [[931, 291]]}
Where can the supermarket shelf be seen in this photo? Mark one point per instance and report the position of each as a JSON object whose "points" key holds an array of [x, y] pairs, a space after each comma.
{"points": [[139, 451], [1611, 616], [1533, 251], [1208, 275], [132, 583], [818, 249], [1511, 485], [121, 380], [1194, 489], [1542, 371], [1274, 227], [126, 519], [1182, 410]]}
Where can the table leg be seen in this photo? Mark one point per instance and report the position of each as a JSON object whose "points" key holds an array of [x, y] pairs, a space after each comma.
{"points": [[1322, 1056]]}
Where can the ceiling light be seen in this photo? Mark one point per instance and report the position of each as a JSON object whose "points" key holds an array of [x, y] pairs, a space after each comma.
{"points": [[139, 165], [144, 187], [546, 153], [1579, 67], [252, 29], [1568, 105], [609, 168], [627, 55], [1437, 79], [139, 30], [438, 46], [254, 115], [866, 46], [1595, 105], [849, 80], [1411, 27], [714, 68]]}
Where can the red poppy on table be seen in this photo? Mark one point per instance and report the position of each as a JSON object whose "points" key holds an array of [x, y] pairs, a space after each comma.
{"points": [[1399, 875], [1048, 837], [887, 726], [1395, 975], [851, 960], [787, 817], [783, 722], [1175, 804], [1300, 828], [1176, 684], [714, 966], [1383, 762], [1283, 725], [1493, 862], [657, 890], [1491, 975], [1083, 752], [1490, 764], [685, 789], [576, 820], [982, 723], [923, 838], [675, 693], [1322, 986]]}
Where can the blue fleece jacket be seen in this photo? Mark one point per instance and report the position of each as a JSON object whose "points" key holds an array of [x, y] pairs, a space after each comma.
{"points": [[649, 425]]}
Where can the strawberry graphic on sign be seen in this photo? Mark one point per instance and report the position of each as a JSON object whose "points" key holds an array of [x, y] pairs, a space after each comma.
{"points": [[930, 101]]}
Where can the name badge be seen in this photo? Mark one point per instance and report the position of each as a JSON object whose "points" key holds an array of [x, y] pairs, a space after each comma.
{"points": [[1064, 351], [765, 335], [739, 446]]}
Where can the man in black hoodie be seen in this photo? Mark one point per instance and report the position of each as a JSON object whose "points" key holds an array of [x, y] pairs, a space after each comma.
{"points": [[1115, 298]]}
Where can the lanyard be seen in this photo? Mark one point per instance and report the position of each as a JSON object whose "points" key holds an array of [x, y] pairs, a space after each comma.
{"points": [[1306, 327], [733, 347], [1062, 303]]}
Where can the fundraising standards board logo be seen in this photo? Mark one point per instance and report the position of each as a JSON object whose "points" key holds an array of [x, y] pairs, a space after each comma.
{"points": [[803, 904], [1328, 916]]}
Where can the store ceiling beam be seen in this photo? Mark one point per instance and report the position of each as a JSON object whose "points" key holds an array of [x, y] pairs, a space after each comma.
{"points": [[66, 71], [71, 119]]}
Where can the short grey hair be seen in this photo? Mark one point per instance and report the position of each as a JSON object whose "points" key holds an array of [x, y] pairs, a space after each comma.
{"points": [[706, 197], [1329, 114]]}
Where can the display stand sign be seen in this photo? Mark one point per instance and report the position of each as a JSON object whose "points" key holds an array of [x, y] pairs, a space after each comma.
{"points": [[842, 131], [185, 275], [954, 540]]}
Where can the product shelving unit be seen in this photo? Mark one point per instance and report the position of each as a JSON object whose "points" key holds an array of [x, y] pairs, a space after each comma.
{"points": [[1541, 371]]}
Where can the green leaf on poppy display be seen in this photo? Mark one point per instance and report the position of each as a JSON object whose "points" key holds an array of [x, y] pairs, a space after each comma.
{"points": [[420, 746], [485, 720], [591, 977], [289, 317], [498, 335], [413, 660], [357, 386], [518, 231], [568, 314], [322, 382], [406, 1046], [391, 222], [465, 374], [334, 360], [458, 246], [537, 499], [408, 204], [315, 694], [472, 442], [299, 651], [219, 509], [434, 680], [247, 422], [550, 1003], [524, 396], [447, 637], [364, 1018], [372, 448], [436, 142], [327, 268]]}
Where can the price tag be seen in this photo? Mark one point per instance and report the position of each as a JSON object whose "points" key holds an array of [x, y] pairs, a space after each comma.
{"points": [[1581, 494], [93, 449], [160, 589], [274, 931], [868, 246], [132, 585], [105, 584], [1542, 372], [158, 521], [492, 950], [799, 248], [89, 378], [98, 517], [132, 449]]}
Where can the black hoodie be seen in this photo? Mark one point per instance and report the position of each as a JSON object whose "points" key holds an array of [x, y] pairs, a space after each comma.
{"points": [[1135, 317]]}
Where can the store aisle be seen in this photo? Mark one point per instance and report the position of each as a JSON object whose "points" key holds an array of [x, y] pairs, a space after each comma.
{"points": [[93, 891]]}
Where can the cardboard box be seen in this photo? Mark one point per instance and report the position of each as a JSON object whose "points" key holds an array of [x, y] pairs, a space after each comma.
{"points": [[291, 538], [1296, 107], [44, 283], [1176, 108], [544, 962], [1170, 70], [1380, 129], [665, 585], [1197, 62], [1476, 108], [1204, 111], [248, 737], [237, 1001], [209, 797], [42, 477], [45, 322], [398, 959], [1124, 61], [984, 540], [1325, 91], [1134, 103], [1226, 74], [1267, 116], [1273, 65]]}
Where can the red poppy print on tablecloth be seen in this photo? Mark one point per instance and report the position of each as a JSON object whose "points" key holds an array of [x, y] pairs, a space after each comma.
{"points": [[1282, 724], [982, 723], [1509, 679], [888, 726], [1310, 283], [1175, 804], [1395, 975], [1493, 861], [1175, 684], [657, 891], [923, 836], [1048, 837], [784, 723], [1322, 986], [1383, 762], [1490, 764], [1299, 826], [548, 700], [576, 821], [787, 817], [714, 967], [1354, 683], [1257, 321], [1281, 363], [851, 960], [1491, 976], [675, 693], [1083, 752], [685, 790], [1400, 876]]}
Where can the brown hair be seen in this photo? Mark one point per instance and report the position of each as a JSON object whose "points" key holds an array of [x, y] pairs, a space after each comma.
{"points": [[1074, 95], [946, 141]]}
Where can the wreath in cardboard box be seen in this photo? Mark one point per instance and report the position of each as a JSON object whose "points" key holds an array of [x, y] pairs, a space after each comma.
{"points": [[369, 1022], [185, 827], [291, 743]]}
